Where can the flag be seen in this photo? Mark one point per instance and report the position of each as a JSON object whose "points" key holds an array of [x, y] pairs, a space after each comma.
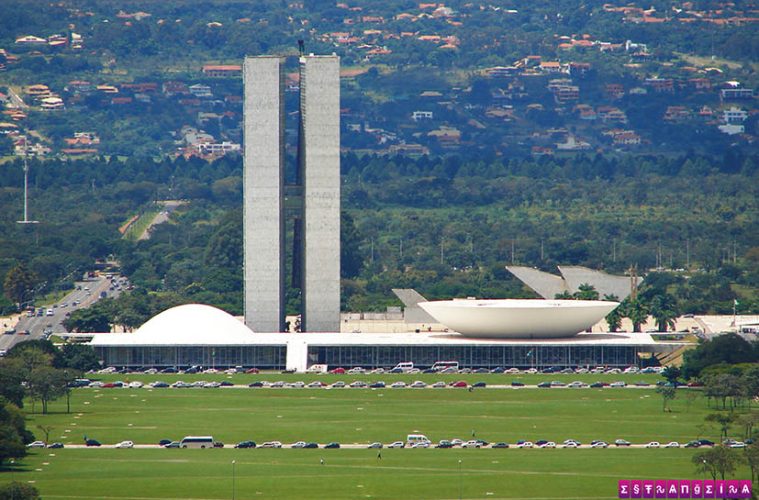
{"points": [[735, 302], [529, 353]]}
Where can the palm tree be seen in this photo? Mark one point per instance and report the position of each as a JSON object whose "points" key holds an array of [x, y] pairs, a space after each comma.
{"points": [[664, 310], [614, 318], [637, 312], [586, 292]]}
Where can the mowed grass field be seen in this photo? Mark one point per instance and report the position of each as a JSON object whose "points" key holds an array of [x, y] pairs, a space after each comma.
{"points": [[360, 416], [365, 415], [346, 474]]}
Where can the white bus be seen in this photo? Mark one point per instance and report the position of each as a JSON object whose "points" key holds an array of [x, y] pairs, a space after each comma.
{"points": [[404, 366], [196, 442], [412, 439], [440, 366]]}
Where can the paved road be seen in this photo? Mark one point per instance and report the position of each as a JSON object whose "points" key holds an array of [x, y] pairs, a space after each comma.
{"points": [[16, 100], [88, 294], [363, 446], [168, 207]]}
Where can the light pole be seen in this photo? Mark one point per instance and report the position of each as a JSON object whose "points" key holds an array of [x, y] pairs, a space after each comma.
{"points": [[233, 480], [460, 484]]}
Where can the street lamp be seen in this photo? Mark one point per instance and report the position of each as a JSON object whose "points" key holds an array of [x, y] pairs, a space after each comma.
{"points": [[460, 484], [233, 480]]}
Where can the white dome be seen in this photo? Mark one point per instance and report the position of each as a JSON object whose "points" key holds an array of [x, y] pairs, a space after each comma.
{"points": [[191, 324], [518, 318]]}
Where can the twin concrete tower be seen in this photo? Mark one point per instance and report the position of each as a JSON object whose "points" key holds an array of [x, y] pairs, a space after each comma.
{"points": [[264, 210]]}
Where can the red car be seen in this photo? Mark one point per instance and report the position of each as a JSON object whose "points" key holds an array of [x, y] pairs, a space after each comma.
{"points": [[460, 383], [251, 370], [338, 371]]}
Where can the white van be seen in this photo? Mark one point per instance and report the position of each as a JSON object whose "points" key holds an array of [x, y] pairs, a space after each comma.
{"points": [[412, 439], [404, 366], [196, 442]]}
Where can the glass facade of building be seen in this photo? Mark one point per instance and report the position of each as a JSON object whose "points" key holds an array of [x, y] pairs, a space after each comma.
{"points": [[228, 356], [475, 356]]}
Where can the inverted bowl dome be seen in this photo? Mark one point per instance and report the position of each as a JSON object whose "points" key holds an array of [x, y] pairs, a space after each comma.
{"points": [[518, 318]]}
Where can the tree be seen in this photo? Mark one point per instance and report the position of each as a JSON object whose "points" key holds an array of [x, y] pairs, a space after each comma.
{"points": [[724, 420], [723, 386], [718, 460], [586, 292], [729, 348], [89, 320], [19, 282], [667, 394], [79, 357], [752, 459], [614, 318], [13, 433], [664, 310], [16, 490], [46, 430], [671, 373], [638, 313], [47, 384]]}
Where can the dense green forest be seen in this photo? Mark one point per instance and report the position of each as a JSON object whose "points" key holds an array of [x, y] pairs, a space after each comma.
{"points": [[446, 226]]}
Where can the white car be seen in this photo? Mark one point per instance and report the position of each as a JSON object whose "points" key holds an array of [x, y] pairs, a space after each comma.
{"points": [[358, 384], [570, 444], [457, 442], [672, 444], [600, 444], [299, 444], [653, 444], [277, 384], [418, 384], [125, 444], [297, 385], [549, 444], [316, 384], [375, 445], [271, 444], [737, 444], [512, 371], [525, 444], [421, 444], [338, 385], [397, 444], [36, 444], [357, 370], [438, 385], [617, 384], [471, 444], [212, 385], [577, 384], [398, 385]]}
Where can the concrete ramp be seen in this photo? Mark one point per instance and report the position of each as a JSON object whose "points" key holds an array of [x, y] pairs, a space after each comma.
{"points": [[412, 312], [546, 285], [605, 284]]}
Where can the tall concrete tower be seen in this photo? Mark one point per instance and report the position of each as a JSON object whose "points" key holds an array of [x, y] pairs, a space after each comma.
{"points": [[320, 170], [263, 200]]}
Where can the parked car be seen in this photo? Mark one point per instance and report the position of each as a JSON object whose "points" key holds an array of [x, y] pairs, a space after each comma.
{"points": [[310, 445], [125, 444], [618, 384], [92, 442], [599, 444], [479, 384], [271, 444], [516, 383], [622, 442], [577, 384], [257, 383], [692, 444], [316, 384], [672, 444], [252, 371], [398, 385], [36, 444], [597, 385], [339, 384], [444, 443], [55, 446], [421, 444], [418, 384], [358, 384], [549, 444], [500, 444], [459, 383], [653, 444], [164, 442], [705, 442], [246, 444], [332, 445], [218, 444], [471, 444], [545, 385], [438, 385], [397, 444], [174, 444], [570, 444], [375, 445], [338, 371], [525, 444]]}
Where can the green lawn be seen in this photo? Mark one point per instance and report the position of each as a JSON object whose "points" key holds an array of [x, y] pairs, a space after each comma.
{"points": [[417, 474], [488, 378], [360, 416], [364, 415]]}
